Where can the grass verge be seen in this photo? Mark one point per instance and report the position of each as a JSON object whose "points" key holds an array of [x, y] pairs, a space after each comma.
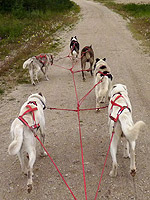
{"points": [[139, 19], [35, 35]]}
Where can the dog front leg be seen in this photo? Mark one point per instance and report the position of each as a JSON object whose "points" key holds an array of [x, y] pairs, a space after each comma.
{"points": [[46, 76], [42, 137], [132, 158], [31, 76]]}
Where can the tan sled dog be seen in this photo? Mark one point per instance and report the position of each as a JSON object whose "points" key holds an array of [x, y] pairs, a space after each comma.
{"points": [[87, 55], [120, 121], [31, 115]]}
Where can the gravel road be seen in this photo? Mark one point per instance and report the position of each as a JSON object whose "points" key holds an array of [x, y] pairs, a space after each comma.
{"points": [[110, 38]]}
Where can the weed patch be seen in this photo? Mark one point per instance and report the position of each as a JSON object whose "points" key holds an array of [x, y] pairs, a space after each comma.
{"points": [[30, 34]]}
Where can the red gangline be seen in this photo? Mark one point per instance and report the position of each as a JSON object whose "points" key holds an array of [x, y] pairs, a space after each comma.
{"points": [[55, 166], [104, 164], [78, 106], [81, 109], [79, 102]]}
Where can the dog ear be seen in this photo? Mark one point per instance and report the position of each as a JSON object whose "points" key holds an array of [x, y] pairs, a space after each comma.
{"points": [[75, 37], [125, 87], [91, 46], [40, 94], [97, 59], [71, 38], [104, 59]]}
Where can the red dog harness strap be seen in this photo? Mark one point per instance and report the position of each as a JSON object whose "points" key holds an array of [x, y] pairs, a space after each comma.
{"points": [[42, 59], [120, 110], [30, 110]]}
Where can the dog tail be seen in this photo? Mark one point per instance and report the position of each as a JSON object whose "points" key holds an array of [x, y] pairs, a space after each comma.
{"points": [[74, 53], [133, 132], [27, 63], [16, 144]]}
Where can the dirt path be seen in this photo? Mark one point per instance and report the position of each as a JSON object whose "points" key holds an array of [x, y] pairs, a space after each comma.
{"points": [[108, 34]]}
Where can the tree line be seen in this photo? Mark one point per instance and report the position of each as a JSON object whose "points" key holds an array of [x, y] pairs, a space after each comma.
{"points": [[10, 6]]}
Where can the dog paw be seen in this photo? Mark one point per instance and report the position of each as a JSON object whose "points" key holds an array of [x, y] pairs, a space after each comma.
{"points": [[113, 174], [126, 156], [133, 172], [43, 154], [29, 188]]}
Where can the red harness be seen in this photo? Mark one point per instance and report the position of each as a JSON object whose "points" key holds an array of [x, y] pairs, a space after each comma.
{"points": [[42, 59], [30, 110], [120, 110]]}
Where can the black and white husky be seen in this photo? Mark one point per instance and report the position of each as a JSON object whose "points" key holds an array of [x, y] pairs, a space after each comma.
{"points": [[38, 63], [74, 47], [103, 79]]}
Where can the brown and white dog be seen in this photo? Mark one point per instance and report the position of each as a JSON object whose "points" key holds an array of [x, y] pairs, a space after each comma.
{"points": [[74, 48], [87, 55], [38, 63], [103, 81], [121, 124], [31, 119]]}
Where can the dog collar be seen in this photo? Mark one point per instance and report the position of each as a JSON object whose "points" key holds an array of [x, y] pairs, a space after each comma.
{"points": [[44, 106]]}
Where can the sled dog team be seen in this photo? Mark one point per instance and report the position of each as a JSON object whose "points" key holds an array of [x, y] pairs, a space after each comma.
{"points": [[31, 117]]}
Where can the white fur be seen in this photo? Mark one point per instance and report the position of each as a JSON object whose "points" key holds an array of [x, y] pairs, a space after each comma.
{"points": [[35, 66], [102, 89], [23, 138], [125, 126]]}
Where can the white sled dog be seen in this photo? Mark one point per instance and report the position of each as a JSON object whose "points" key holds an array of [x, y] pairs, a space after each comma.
{"points": [[31, 118], [103, 75], [74, 48], [121, 123], [38, 63]]}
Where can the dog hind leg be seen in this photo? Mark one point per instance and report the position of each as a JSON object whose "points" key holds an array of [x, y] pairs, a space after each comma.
{"points": [[91, 64], [132, 158], [126, 153], [32, 157], [83, 68], [22, 162], [113, 151]]}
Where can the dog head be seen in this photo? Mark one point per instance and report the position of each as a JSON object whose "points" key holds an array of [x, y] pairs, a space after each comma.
{"points": [[74, 39], [40, 97], [100, 63], [118, 88]]}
